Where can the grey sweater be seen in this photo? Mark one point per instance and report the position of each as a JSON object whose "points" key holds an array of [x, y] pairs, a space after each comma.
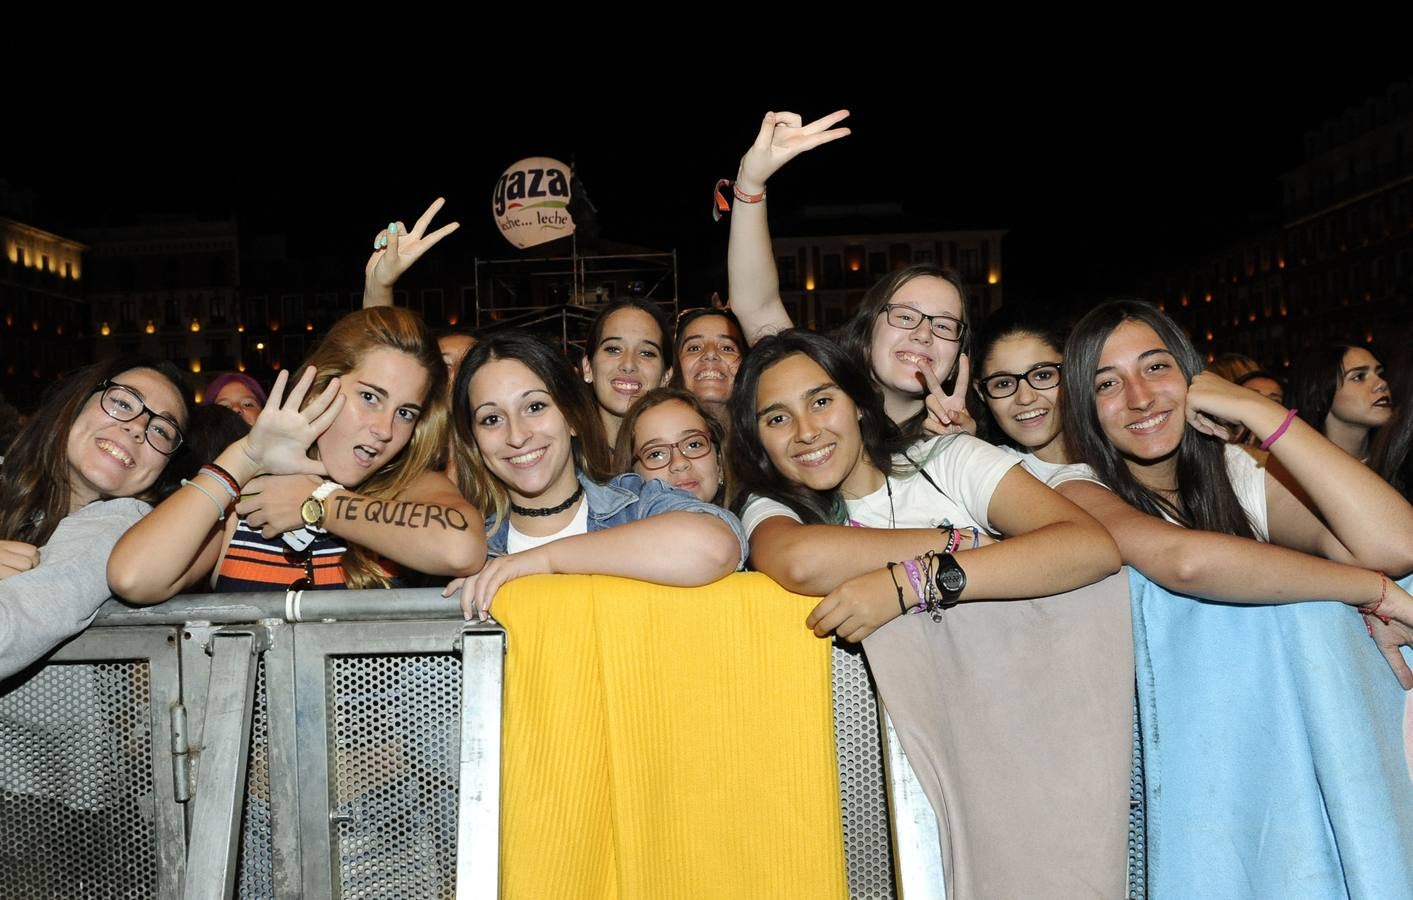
{"points": [[57, 599]]}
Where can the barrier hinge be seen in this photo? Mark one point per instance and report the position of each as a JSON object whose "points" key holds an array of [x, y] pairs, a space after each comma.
{"points": [[181, 755]]}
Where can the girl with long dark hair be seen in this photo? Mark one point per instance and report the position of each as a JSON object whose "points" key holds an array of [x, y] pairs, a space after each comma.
{"points": [[910, 330], [1251, 701], [532, 458], [1035, 693], [1341, 391], [103, 445]]}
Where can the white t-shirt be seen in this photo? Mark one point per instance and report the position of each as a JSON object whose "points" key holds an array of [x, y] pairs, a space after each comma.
{"points": [[1033, 464], [516, 541], [965, 469], [1248, 480]]}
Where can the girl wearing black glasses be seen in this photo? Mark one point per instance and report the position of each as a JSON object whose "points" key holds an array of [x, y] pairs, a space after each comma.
{"points": [[1020, 359], [910, 329], [82, 471]]}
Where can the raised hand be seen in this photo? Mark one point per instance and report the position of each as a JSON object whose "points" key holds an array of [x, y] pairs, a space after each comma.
{"points": [[395, 248], [280, 441], [782, 137], [1211, 398], [947, 410]]}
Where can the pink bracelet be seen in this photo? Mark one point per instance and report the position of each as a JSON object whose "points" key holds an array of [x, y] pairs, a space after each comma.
{"points": [[1276, 435], [915, 577]]}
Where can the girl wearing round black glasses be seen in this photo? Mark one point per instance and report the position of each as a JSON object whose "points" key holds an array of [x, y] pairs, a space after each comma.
{"points": [[1020, 358], [102, 446]]}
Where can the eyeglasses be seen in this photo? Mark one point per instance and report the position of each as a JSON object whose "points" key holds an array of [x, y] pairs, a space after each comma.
{"points": [[948, 328], [694, 445], [123, 403], [1041, 376]]}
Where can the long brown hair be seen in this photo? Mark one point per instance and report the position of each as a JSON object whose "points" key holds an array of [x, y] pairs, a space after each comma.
{"points": [[35, 487], [350, 340], [570, 395], [856, 335], [1206, 498], [624, 451]]}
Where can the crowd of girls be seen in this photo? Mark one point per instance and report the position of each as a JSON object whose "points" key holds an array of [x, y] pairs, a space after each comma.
{"points": [[856, 469]]}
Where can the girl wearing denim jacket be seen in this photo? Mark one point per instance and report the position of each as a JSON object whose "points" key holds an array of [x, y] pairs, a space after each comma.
{"points": [[531, 455]]}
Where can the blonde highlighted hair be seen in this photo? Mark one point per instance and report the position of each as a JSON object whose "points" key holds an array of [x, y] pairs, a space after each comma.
{"points": [[346, 345]]}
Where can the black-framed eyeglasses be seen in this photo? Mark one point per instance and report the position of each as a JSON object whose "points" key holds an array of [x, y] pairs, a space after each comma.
{"points": [[948, 328], [1041, 376], [693, 445], [124, 404]]}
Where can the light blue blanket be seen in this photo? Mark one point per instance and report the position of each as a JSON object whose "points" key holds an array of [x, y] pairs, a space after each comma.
{"points": [[1274, 751]]}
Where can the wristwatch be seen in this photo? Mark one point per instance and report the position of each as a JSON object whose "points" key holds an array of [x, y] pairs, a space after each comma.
{"points": [[950, 580], [312, 509]]}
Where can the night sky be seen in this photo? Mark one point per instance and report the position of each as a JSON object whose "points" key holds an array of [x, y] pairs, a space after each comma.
{"points": [[1102, 177]]}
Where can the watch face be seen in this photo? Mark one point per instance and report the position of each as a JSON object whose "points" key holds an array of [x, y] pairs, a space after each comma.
{"points": [[953, 579], [311, 511]]}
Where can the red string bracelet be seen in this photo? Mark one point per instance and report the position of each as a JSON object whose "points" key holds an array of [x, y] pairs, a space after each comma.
{"points": [[1373, 609]]}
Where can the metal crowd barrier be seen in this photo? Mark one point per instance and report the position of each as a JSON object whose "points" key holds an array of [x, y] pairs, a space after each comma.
{"points": [[335, 744]]}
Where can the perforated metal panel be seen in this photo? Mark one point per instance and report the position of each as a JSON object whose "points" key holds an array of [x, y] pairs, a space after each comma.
{"points": [[863, 796], [76, 785], [394, 773], [1137, 820], [257, 847]]}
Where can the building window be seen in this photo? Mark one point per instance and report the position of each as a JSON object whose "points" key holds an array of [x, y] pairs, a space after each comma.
{"points": [[969, 263], [789, 274], [432, 306]]}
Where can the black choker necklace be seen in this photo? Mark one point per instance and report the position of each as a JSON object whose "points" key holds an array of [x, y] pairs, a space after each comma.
{"points": [[538, 512]]}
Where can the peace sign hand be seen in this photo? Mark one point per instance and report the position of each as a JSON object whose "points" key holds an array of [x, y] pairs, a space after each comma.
{"points": [[782, 137], [395, 248], [947, 411]]}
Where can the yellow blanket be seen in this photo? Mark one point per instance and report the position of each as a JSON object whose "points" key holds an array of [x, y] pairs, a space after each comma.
{"points": [[666, 742]]}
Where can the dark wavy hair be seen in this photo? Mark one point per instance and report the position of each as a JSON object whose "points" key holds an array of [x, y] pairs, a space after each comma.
{"points": [[1314, 379], [1206, 499], [692, 315], [753, 472], [625, 450], [856, 336], [1009, 321], [639, 303], [574, 402], [1392, 450], [34, 482]]}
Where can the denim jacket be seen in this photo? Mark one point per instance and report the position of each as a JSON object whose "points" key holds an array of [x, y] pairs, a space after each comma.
{"points": [[628, 498]]}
